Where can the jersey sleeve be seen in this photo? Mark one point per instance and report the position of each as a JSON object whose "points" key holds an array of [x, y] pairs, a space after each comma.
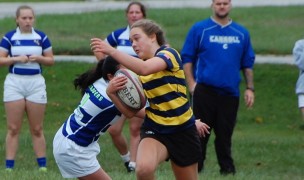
{"points": [[248, 57], [45, 41], [298, 54], [5, 44], [188, 52], [172, 59]]}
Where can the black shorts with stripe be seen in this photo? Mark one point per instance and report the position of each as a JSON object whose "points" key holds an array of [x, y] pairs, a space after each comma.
{"points": [[183, 147]]}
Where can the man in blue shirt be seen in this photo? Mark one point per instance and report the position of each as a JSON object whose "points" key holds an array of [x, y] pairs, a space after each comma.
{"points": [[214, 52]]}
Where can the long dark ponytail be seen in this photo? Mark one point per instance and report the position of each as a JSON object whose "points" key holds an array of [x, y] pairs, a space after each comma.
{"points": [[101, 70]]}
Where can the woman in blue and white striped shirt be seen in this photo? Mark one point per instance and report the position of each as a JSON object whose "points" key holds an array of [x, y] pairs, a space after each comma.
{"points": [[24, 50]]}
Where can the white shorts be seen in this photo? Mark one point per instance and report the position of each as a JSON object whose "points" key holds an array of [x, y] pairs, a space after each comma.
{"points": [[74, 160], [29, 87], [301, 100]]}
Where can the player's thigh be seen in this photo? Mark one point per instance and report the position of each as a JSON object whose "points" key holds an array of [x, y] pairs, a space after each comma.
{"points": [[14, 113], [150, 153], [187, 172], [135, 124], [35, 113]]}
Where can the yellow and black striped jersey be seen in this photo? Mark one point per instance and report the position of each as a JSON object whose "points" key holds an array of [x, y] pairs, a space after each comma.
{"points": [[169, 109]]}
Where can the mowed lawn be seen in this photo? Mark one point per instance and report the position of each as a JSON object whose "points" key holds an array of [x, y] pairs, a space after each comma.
{"points": [[267, 143]]}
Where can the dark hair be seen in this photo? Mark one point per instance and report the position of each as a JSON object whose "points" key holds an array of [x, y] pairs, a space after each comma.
{"points": [[142, 7], [104, 67], [149, 27]]}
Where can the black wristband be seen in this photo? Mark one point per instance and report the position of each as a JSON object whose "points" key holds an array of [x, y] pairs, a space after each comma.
{"points": [[250, 88]]}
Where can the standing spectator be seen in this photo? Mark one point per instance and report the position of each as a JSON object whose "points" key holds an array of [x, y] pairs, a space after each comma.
{"points": [[24, 50], [169, 130], [120, 39], [298, 54], [214, 52]]}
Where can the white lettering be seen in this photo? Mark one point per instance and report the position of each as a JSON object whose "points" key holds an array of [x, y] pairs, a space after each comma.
{"points": [[224, 39]]}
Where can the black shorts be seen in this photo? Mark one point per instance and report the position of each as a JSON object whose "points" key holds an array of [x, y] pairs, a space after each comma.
{"points": [[183, 147]]}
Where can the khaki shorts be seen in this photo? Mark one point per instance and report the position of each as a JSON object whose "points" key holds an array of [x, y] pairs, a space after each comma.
{"points": [[29, 87]]}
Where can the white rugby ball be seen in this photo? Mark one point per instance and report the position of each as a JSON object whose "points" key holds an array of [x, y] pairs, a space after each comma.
{"points": [[133, 94]]}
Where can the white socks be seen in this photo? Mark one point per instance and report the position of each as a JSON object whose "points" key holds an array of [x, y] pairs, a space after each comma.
{"points": [[126, 157]]}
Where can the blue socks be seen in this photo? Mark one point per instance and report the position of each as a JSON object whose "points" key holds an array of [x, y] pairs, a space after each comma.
{"points": [[41, 162], [9, 163]]}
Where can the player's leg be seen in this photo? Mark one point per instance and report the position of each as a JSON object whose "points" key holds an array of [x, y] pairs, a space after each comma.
{"points": [[301, 107], [120, 141], [36, 100], [185, 152], [35, 113], [14, 114], [134, 127], [150, 154], [188, 172], [99, 174], [302, 114]]}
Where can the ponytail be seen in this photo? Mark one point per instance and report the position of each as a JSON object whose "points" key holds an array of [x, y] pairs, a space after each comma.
{"points": [[102, 69]]}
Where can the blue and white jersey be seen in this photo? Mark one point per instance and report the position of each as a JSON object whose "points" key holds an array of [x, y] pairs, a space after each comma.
{"points": [[93, 116], [16, 44], [298, 55], [120, 39], [218, 53]]}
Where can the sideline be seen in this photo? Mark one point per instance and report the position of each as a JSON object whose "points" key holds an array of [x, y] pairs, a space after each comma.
{"points": [[260, 59], [8, 9]]}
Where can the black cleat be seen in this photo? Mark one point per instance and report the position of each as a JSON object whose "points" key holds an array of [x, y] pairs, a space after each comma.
{"points": [[129, 169]]}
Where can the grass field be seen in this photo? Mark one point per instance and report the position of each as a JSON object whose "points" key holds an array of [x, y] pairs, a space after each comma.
{"points": [[271, 149], [267, 143]]}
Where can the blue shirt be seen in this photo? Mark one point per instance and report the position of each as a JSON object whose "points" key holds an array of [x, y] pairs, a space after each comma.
{"points": [[218, 53], [93, 116], [15, 44]]}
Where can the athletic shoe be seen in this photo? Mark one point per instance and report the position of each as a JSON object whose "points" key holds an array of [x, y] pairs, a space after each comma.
{"points": [[9, 170], [43, 169], [129, 169]]}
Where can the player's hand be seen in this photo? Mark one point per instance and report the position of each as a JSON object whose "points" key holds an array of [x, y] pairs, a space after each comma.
{"points": [[116, 84], [202, 128], [191, 88], [33, 58], [99, 46], [21, 59]]}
